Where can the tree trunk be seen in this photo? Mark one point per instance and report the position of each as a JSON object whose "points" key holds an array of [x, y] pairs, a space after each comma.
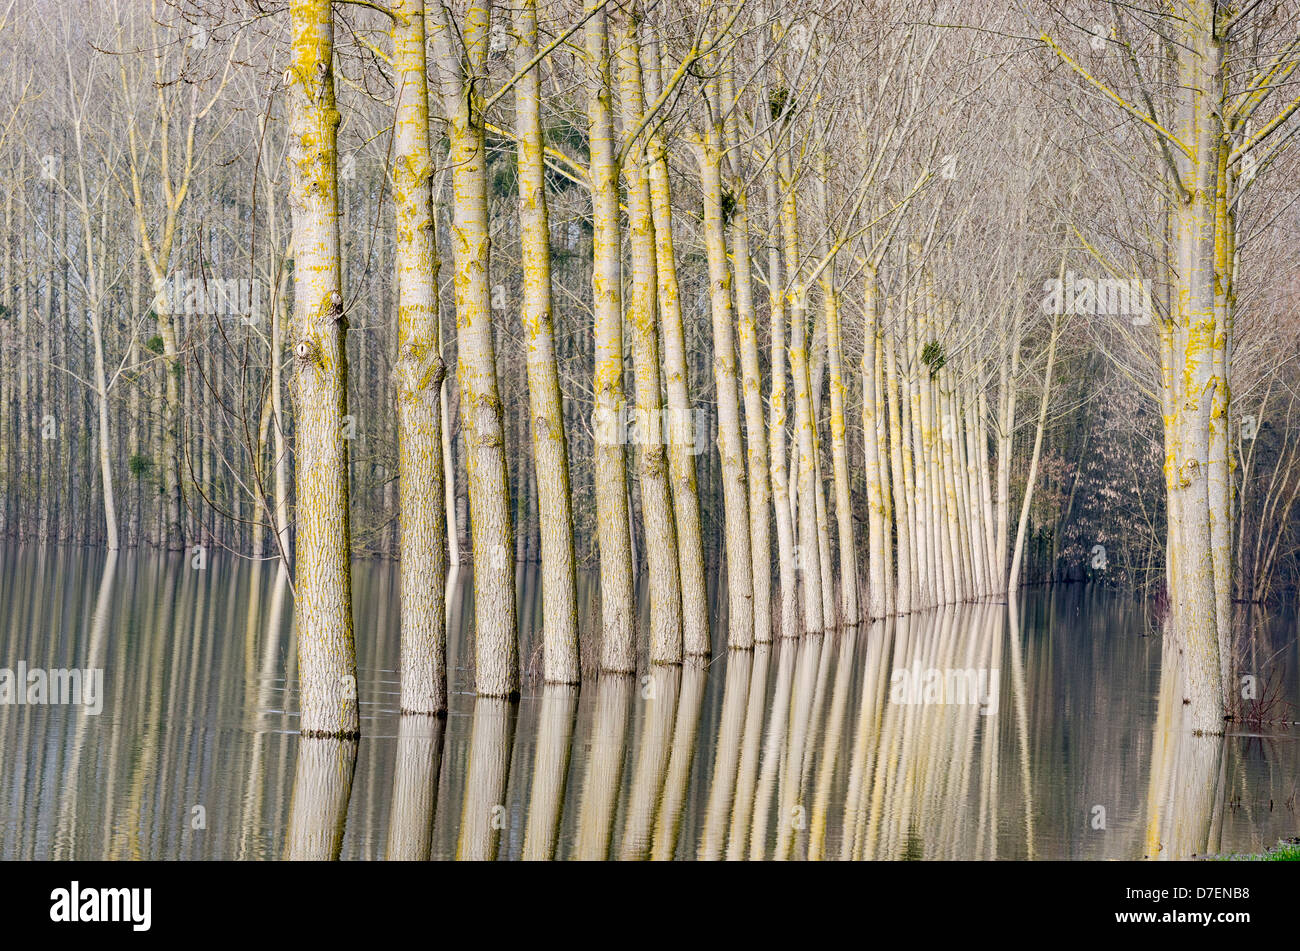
{"points": [[787, 552], [550, 447], [681, 445], [496, 645], [656, 504], [323, 603], [613, 518], [418, 377], [731, 450]]}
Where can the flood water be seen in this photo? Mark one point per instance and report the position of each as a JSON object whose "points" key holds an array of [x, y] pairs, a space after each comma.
{"points": [[808, 748]]}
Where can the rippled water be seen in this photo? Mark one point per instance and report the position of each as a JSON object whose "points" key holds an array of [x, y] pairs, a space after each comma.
{"points": [[804, 749]]}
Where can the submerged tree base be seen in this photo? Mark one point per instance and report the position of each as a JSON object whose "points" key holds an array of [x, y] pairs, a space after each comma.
{"points": [[327, 735]]}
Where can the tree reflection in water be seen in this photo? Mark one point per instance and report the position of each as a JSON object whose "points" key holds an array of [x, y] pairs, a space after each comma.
{"points": [[805, 748]]}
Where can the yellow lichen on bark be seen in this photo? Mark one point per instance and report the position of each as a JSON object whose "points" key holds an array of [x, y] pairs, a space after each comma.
{"points": [[657, 514], [418, 380], [323, 596], [496, 645], [550, 448], [618, 602]]}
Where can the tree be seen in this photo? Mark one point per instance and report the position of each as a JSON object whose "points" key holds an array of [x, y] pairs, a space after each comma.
{"points": [[462, 54], [323, 573], [418, 375], [546, 412]]}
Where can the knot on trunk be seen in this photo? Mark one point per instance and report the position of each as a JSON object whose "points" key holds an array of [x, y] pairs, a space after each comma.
{"points": [[308, 352], [336, 308], [418, 369]]}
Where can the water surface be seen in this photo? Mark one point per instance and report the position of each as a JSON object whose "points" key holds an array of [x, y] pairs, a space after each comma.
{"points": [[802, 749]]}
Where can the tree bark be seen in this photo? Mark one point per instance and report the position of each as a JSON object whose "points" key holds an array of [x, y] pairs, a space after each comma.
{"points": [[323, 603]]}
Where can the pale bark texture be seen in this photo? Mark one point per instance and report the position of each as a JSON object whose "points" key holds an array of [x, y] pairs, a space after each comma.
{"points": [[680, 422], [418, 377], [496, 645], [656, 502], [327, 669], [786, 547], [613, 518], [731, 450], [546, 412]]}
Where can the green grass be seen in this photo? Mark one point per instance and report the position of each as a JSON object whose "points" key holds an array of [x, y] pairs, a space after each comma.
{"points": [[1282, 852]]}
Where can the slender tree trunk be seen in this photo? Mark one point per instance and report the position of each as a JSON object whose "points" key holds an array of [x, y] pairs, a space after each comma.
{"points": [[787, 552], [731, 450], [886, 481], [418, 377], [905, 599], [1007, 373], [279, 441], [681, 446], [105, 434], [323, 605], [760, 477], [448, 454], [756, 442], [840, 456], [550, 447], [1220, 471], [613, 518], [496, 645], [656, 503], [838, 425], [879, 575], [1192, 582], [174, 529], [810, 561], [1013, 576]]}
